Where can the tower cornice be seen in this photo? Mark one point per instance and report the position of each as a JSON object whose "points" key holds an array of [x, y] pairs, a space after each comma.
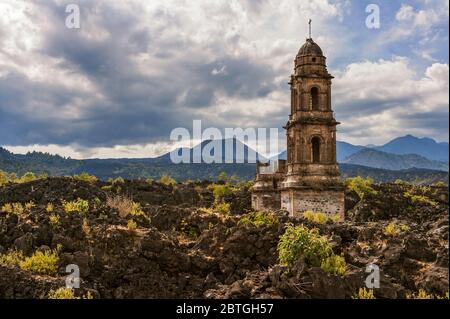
{"points": [[311, 121]]}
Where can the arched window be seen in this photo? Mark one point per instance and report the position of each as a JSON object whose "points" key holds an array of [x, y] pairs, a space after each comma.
{"points": [[314, 99], [315, 145]]}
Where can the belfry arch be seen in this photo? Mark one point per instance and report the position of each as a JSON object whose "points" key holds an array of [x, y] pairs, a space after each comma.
{"points": [[314, 99], [315, 149]]}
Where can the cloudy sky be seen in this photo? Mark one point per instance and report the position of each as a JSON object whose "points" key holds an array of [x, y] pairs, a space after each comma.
{"points": [[135, 70]]}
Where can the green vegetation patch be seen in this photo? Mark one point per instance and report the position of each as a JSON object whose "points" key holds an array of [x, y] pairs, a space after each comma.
{"points": [[86, 177], [364, 293], [42, 263], [319, 217], [362, 186], [259, 219], [421, 199], [76, 206], [67, 293], [300, 241]]}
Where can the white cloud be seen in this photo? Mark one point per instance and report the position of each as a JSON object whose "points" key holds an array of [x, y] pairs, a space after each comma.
{"points": [[406, 13], [425, 18], [175, 43], [79, 152], [377, 101]]}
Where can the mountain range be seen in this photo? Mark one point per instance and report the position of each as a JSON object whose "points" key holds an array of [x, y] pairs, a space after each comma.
{"points": [[372, 161], [426, 147], [400, 153]]}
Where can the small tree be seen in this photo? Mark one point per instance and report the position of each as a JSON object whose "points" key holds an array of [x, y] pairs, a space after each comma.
{"points": [[86, 177], [3, 178], [362, 186], [167, 180], [27, 177], [300, 241]]}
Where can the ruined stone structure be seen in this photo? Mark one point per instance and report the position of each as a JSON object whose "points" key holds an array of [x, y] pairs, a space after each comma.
{"points": [[309, 178]]}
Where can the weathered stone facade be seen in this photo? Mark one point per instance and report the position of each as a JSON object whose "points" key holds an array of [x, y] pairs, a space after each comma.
{"points": [[309, 178], [266, 191]]}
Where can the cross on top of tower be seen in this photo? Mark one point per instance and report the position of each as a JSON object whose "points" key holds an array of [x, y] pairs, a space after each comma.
{"points": [[309, 28]]}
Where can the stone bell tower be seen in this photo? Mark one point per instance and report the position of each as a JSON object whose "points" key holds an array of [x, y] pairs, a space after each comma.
{"points": [[312, 173]]}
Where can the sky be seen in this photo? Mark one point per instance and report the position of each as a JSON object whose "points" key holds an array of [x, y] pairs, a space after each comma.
{"points": [[136, 70]]}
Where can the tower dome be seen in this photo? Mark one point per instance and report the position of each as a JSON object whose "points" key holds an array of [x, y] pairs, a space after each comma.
{"points": [[310, 48]]}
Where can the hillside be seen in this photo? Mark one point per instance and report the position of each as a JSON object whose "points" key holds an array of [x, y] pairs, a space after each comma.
{"points": [[373, 158], [176, 243], [425, 147], [54, 165]]}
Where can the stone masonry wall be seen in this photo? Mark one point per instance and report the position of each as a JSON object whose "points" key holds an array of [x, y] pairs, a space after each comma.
{"points": [[268, 200], [330, 202]]}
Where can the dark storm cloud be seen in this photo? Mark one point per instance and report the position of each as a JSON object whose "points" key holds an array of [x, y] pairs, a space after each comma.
{"points": [[368, 106], [140, 103], [436, 122]]}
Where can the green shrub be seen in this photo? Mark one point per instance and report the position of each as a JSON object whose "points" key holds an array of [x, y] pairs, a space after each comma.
{"points": [[118, 180], [30, 205], [79, 206], [334, 265], [225, 178], [319, 217], [50, 208], [54, 220], [167, 180], [404, 228], [13, 208], [222, 176], [422, 294], [222, 208], [43, 263], [4, 178], [393, 229], [300, 241], [220, 191], [27, 177], [13, 178], [136, 209], [259, 219], [12, 257], [362, 186], [97, 202], [364, 293], [86, 177], [62, 293], [440, 184], [67, 293], [422, 199], [131, 225]]}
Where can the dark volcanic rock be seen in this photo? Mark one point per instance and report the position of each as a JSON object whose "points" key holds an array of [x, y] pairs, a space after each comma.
{"points": [[183, 248]]}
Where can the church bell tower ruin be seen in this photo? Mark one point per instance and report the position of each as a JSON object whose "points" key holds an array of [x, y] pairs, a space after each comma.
{"points": [[308, 180]]}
